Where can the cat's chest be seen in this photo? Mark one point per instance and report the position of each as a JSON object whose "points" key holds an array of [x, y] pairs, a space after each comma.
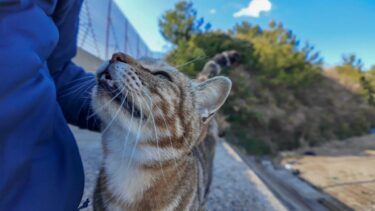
{"points": [[127, 182]]}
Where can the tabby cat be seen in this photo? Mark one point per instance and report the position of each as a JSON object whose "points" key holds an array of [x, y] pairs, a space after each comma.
{"points": [[157, 138]]}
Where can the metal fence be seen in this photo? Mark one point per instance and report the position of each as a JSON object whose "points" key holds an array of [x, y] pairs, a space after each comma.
{"points": [[104, 29]]}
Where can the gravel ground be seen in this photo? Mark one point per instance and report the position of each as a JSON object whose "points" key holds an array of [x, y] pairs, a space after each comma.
{"points": [[234, 187]]}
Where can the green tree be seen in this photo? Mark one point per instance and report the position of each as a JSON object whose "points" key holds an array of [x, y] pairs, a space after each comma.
{"points": [[190, 56], [368, 84], [353, 61], [181, 23], [372, 70], [281, 60], [371, 75], [352, 74], [369, 90], [351, 69]]}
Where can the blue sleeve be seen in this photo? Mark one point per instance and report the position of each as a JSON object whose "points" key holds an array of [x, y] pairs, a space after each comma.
{"points": [[73, 84], [40, 166]]}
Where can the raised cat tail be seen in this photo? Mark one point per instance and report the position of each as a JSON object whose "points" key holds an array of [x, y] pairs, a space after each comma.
{"points": [[216, 127], [213, 67]]}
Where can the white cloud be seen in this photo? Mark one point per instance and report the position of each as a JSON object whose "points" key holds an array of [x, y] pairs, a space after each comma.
{"points": [[212, 11], [254, 8]]}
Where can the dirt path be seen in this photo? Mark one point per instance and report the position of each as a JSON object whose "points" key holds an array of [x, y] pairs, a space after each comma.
{"points": [[351, 179], [235, 186], [343, 169]]}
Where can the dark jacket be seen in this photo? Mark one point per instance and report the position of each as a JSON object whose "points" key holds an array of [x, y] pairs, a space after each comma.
{"points": [[41, 91]]}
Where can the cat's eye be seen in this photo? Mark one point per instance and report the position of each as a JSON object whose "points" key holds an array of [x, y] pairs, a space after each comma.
{"points": [[163, 75]]}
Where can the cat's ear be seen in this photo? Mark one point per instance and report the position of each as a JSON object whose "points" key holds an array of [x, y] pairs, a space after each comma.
{"points": [[211, 95]]}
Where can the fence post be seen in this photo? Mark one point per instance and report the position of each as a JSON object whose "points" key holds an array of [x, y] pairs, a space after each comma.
{"points": [[109, 22], [126, 37]]}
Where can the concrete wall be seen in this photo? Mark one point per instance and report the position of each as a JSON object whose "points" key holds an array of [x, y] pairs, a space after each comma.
{"points": [[86, 60]]}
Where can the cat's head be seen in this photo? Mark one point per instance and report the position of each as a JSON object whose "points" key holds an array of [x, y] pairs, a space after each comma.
{"points": [[155, 103]]}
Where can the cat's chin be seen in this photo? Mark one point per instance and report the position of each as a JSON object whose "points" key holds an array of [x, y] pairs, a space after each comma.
{"points": [[113, 95]]}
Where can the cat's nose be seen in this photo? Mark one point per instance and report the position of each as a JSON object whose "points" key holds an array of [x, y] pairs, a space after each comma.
{"points": [[119, 67], [122, 57]]}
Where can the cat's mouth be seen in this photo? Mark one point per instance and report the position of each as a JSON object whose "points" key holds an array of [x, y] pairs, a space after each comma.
{"points": [[108, 85]]}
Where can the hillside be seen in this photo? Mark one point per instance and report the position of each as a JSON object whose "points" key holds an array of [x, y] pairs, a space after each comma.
{"points": [[282, 98], [267, 119]]}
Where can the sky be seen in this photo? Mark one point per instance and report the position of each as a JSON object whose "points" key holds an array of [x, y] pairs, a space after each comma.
{"points": [[334, 27]]}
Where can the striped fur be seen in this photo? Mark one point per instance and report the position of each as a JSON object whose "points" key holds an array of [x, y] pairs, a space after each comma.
{"points": [[213, 67], [158, 138]]}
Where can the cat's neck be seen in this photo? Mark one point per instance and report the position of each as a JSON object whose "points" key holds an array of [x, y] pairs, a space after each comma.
{"points": [[132, 167], [129, 181], [130, 148]]}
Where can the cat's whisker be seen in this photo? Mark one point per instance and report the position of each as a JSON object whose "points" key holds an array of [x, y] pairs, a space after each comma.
{"points": [[162, 116], [127, 136], [77, 88], [87, 91], [87, 102], [128, 133], [107, 103], [84, 78], [84, 103], [165, 123], [191, 61], [126, 95], [115, 116], [78, 92], [156, 135], [138, 135]]}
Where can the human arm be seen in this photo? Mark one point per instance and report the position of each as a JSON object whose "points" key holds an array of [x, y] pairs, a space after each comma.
{"points": [[73, 84]]}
